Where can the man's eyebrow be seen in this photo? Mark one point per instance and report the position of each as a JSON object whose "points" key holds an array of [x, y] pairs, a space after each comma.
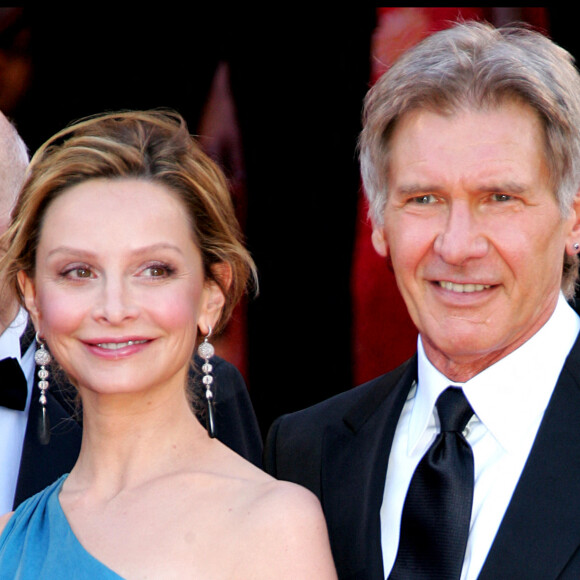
{"points": [[504, 187], [416, 188], [485, 187]]}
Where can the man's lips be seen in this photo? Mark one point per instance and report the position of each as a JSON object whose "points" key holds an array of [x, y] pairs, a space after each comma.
{"points": [[469, 287]]}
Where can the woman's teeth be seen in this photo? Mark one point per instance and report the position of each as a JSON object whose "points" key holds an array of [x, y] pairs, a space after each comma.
{"points": [[118, 345]]}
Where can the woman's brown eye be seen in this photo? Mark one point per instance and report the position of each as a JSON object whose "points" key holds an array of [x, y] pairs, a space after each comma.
{"points": [[157, 271]]}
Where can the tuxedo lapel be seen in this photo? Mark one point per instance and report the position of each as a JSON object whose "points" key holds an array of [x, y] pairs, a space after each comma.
{"points": [[354, 462], [541, 531], [41, 464]]}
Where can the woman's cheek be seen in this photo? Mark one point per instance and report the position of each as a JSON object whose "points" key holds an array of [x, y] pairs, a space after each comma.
{"points": [[60, 313]]}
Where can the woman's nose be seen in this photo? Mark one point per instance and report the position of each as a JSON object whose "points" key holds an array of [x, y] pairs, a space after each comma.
{"points": [[115, 303]]}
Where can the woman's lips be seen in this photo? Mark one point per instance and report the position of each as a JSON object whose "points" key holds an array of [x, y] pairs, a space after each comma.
{"points": [[119, 345]]}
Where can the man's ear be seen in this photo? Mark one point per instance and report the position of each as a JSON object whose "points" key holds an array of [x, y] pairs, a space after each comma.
{"points": [[213, 298], [574, 233], [379, 241], [28, 290]]}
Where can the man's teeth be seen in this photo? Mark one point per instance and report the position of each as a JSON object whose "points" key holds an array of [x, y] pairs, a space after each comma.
{"points": [[118, 345], [464, 287]]}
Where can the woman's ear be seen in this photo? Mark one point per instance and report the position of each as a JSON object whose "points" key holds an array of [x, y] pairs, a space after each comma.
{"points": [[28, 290], [213, 297]]}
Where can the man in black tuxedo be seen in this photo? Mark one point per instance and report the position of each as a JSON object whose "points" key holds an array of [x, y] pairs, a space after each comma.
{"points": [[27, 464], [470, 156]]}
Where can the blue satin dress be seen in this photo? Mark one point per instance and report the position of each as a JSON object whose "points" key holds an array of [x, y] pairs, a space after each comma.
{"points": [[38, 542]]}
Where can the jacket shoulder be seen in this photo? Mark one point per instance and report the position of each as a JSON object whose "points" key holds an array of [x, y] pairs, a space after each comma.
{"points": [[236, 422], [295, 438], [347, 403]]}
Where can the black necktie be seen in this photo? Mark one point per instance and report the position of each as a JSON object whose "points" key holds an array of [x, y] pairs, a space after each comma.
{"points": [[437, 510], [13, 387]]}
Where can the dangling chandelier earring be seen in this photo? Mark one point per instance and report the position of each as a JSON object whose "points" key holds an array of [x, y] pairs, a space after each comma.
{"points": [[206, 351], [42, 358]]}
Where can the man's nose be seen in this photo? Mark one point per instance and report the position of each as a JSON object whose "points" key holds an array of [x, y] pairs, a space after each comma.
{"points": [[462, 237]]}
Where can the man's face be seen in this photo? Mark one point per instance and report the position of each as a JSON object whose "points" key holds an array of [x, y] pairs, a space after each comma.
{"points": [[6, 196], [474, 232], [13, 162]]}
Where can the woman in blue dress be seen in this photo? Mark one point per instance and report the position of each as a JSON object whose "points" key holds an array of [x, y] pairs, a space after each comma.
{"points": [[125, 251]]}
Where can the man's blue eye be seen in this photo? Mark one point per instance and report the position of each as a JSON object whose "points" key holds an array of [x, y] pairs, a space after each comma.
{"points": [[424, 199], [502, 197]]}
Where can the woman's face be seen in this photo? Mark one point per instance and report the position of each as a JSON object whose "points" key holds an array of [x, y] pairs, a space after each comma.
{"points": [[119, 290]]}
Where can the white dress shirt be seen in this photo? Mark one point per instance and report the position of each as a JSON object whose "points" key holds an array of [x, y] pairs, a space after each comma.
{"points": [[13, 423], [509, 399]]}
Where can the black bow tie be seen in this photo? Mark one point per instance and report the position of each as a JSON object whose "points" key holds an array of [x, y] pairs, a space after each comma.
{"points": [[13, 387]]}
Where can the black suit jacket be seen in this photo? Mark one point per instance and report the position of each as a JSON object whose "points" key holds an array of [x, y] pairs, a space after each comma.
{"points": [[340, 448], [236, 427]]}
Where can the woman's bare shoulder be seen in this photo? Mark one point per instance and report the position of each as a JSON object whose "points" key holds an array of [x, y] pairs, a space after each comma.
{"points": [[4, 520], [279, 527], [263, 494], [288, 523], [289, 505], [287, 495]]}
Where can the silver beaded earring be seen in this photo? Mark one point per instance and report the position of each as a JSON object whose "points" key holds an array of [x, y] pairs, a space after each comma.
{"points": [[42, 358], [206, 351], [577, 246]]}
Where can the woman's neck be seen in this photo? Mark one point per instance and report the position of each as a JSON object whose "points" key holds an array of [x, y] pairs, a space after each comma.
{"points": [[127, 441]]}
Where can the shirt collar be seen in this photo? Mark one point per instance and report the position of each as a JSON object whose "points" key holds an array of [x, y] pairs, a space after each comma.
{"points": [[510, 396], [10, 338]]}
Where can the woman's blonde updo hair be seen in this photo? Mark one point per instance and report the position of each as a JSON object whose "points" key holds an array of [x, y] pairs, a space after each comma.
{"points": [[154, 146]]}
